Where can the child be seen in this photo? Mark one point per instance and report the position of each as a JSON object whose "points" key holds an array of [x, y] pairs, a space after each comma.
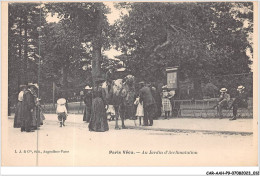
{"points": [[61, 111], [139, 110], [110, 112], [167, 108]]}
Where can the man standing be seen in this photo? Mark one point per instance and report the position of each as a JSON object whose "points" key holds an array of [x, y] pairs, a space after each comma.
{"points": [[148, 102], [239, 102], [158, 102], [28, 105]]}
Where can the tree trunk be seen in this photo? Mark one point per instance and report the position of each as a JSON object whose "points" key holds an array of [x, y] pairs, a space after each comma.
{"points": [[20, 57], [97, 45], [197, 89], [26, 62], [64, 72]]}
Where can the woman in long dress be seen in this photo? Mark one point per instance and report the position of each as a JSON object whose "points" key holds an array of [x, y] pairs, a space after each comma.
{"points": [[37, 120], [18, 111], [98, 121], [88, 104]]}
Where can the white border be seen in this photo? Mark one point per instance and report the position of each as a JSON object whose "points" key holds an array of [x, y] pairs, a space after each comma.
{"points": [[124, 170]]}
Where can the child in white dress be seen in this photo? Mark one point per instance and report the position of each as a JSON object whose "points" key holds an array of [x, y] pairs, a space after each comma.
{"points": [[140, 110], [61, 111]]}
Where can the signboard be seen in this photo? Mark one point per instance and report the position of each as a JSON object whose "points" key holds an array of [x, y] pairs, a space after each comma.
{"points": [[172, 82]]}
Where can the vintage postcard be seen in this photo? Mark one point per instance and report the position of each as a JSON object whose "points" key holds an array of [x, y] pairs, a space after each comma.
{"points": [[129, 83]]}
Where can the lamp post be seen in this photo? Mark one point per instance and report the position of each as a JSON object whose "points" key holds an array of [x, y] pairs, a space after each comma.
{"points": [[39, 29]]}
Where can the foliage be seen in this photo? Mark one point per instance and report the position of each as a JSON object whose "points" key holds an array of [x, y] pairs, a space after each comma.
{"points": [[203, 39]]}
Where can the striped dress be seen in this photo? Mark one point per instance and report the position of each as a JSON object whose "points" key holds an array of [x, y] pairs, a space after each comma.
{"points": [[166, 103]]}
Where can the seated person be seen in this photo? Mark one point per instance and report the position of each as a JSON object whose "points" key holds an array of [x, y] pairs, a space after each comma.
{"points": [[223, 101]]}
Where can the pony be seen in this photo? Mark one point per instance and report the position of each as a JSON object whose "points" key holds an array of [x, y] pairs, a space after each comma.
{"points": [[119, 95]]}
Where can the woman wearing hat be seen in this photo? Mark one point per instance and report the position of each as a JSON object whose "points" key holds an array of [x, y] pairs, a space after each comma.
{"points": [[37, 121], [223, 101], [88, 104], [18, 111], [62, 111], [98, 121], [239, 102], [28, 105]]}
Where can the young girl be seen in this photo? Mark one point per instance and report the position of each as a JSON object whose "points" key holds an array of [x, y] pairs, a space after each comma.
{"points": [[61, 111], [167, 108], [139, 110]]}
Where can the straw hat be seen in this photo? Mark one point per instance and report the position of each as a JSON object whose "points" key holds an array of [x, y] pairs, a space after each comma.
{"points": [[33, 85], [240, 87], [88, 88], [223, 90], [164, 87]]}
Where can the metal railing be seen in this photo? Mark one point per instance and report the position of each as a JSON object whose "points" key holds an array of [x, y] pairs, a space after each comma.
{"points": [[181, 108]]}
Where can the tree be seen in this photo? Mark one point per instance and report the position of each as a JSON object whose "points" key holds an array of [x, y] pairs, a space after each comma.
{"points": [[194, 36], [89, 24], [23, 43]]}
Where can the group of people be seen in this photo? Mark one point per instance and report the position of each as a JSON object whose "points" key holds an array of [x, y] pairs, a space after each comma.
{"points": [[144, 104], [28, 114], [240, 101]]}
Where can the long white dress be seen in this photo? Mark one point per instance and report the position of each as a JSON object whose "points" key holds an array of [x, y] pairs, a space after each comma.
{"points": [[140, 108]]}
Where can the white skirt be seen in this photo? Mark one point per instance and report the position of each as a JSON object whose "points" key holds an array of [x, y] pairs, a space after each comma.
{"points": [[139, 110]]}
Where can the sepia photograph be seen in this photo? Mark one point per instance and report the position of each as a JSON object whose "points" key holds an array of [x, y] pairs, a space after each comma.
{"points": [[129, 84]]}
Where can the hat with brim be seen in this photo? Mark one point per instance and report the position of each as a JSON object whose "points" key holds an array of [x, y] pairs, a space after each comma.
{"points": [[88, 88], [61, 101], [33, 85], [164, 87], [121, 69], [223, 90], [240, 87]]}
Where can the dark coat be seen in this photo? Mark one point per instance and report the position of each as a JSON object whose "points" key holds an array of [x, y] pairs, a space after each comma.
{"points": [[88, 99], [240, 100], [157, 97], [146, 96], [87, 110], [98, 121], [28, 105], [109, 76]]}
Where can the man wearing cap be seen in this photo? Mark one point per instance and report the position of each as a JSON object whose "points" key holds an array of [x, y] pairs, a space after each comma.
{"points": [[148, 102], [223, 101], [239, 102], [28, 105], [88, 103]]}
